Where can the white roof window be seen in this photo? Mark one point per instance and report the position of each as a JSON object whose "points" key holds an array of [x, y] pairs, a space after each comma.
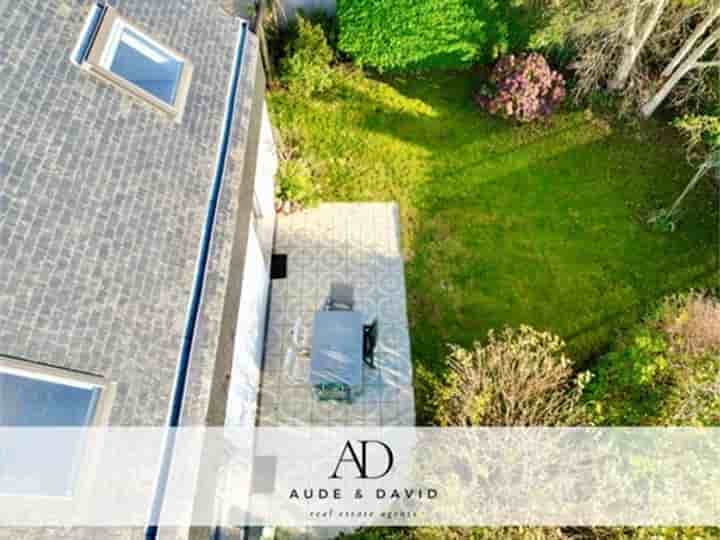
{"points": [[39, 396], [120, 52]]}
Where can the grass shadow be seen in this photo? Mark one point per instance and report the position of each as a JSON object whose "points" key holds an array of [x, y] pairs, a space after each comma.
{"points": [[559, 243], [506, 224]]}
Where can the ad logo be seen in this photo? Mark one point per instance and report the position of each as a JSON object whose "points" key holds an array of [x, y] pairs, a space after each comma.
{"points": [[349, 456]]}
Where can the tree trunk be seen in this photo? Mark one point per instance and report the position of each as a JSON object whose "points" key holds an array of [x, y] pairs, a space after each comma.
{"points": [[627, 63], [635, 40], [691, 62], [651, 106], [702, 171], [629, 53], [262, 40], [699, 32]]}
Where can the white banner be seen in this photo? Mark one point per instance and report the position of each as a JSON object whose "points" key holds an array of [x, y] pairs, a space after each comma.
{"points": [[346, 477]]}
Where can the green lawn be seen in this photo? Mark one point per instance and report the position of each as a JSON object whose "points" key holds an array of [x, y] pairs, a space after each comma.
{"points": [[506, 224]]}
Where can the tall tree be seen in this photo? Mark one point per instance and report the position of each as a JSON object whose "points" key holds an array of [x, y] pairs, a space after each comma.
{"points": [[639, 23], [703, 42], [621, 43]]}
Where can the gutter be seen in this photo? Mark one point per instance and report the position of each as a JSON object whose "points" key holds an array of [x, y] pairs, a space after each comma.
{"points": [[180, 384]]}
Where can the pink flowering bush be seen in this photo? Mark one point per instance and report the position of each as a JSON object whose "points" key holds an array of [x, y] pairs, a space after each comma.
{"points": [[523, 88]]}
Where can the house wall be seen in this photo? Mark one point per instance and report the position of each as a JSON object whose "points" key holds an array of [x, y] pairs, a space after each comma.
{"points": [[267, 167], [253, 307]]}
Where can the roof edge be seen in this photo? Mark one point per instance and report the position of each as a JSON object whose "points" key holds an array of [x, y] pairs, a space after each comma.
{"points": [[181, 375]]}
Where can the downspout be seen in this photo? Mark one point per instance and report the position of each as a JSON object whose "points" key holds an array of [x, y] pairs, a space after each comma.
{"points": [[180, 384]]}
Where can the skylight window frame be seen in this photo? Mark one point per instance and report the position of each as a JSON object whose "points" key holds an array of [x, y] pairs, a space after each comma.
{"points": [[83, 468], [60, 376], [100, 52]]}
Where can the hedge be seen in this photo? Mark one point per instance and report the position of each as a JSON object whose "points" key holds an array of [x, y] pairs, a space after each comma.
{"points": [[403, 35]]}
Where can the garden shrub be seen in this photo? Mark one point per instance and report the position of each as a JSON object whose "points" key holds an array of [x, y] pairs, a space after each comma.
{"points": [[425, 34], [295, 182], [460, 533], [631, 383], [536, 533], [692, 323], [280, 32], [519, 378], [522, 88], [552, 33], [306, 70], [667, 371]]}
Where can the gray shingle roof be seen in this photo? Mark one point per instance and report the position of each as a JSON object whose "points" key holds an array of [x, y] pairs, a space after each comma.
{"points": [[103, 201]]}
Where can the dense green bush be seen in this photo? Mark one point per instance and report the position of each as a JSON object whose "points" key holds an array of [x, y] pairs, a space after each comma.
{"points": [[306, 67], [666, 372], [552, 32], [426, 34], [295, 182], [280, 33], [631, 383]]}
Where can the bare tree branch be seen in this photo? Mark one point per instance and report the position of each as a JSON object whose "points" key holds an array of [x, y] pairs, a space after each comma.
{"points": [[652, 21], [699, 32], [691, 62], [631, 22]]}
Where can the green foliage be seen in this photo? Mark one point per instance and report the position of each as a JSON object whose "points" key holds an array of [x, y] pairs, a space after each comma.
{"points": [[427, 34], [671, 533], [630, 384], [295, 182], [666, 372], [702, 132], [458, 533], [519, 378], [306, 70], [553, 33], [504, 224], [664, 220], [329, 25], [536, 533], [556, 28]]}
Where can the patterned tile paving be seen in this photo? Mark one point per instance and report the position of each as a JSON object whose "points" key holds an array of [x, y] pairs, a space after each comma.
{"points": [[357, 244]]}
